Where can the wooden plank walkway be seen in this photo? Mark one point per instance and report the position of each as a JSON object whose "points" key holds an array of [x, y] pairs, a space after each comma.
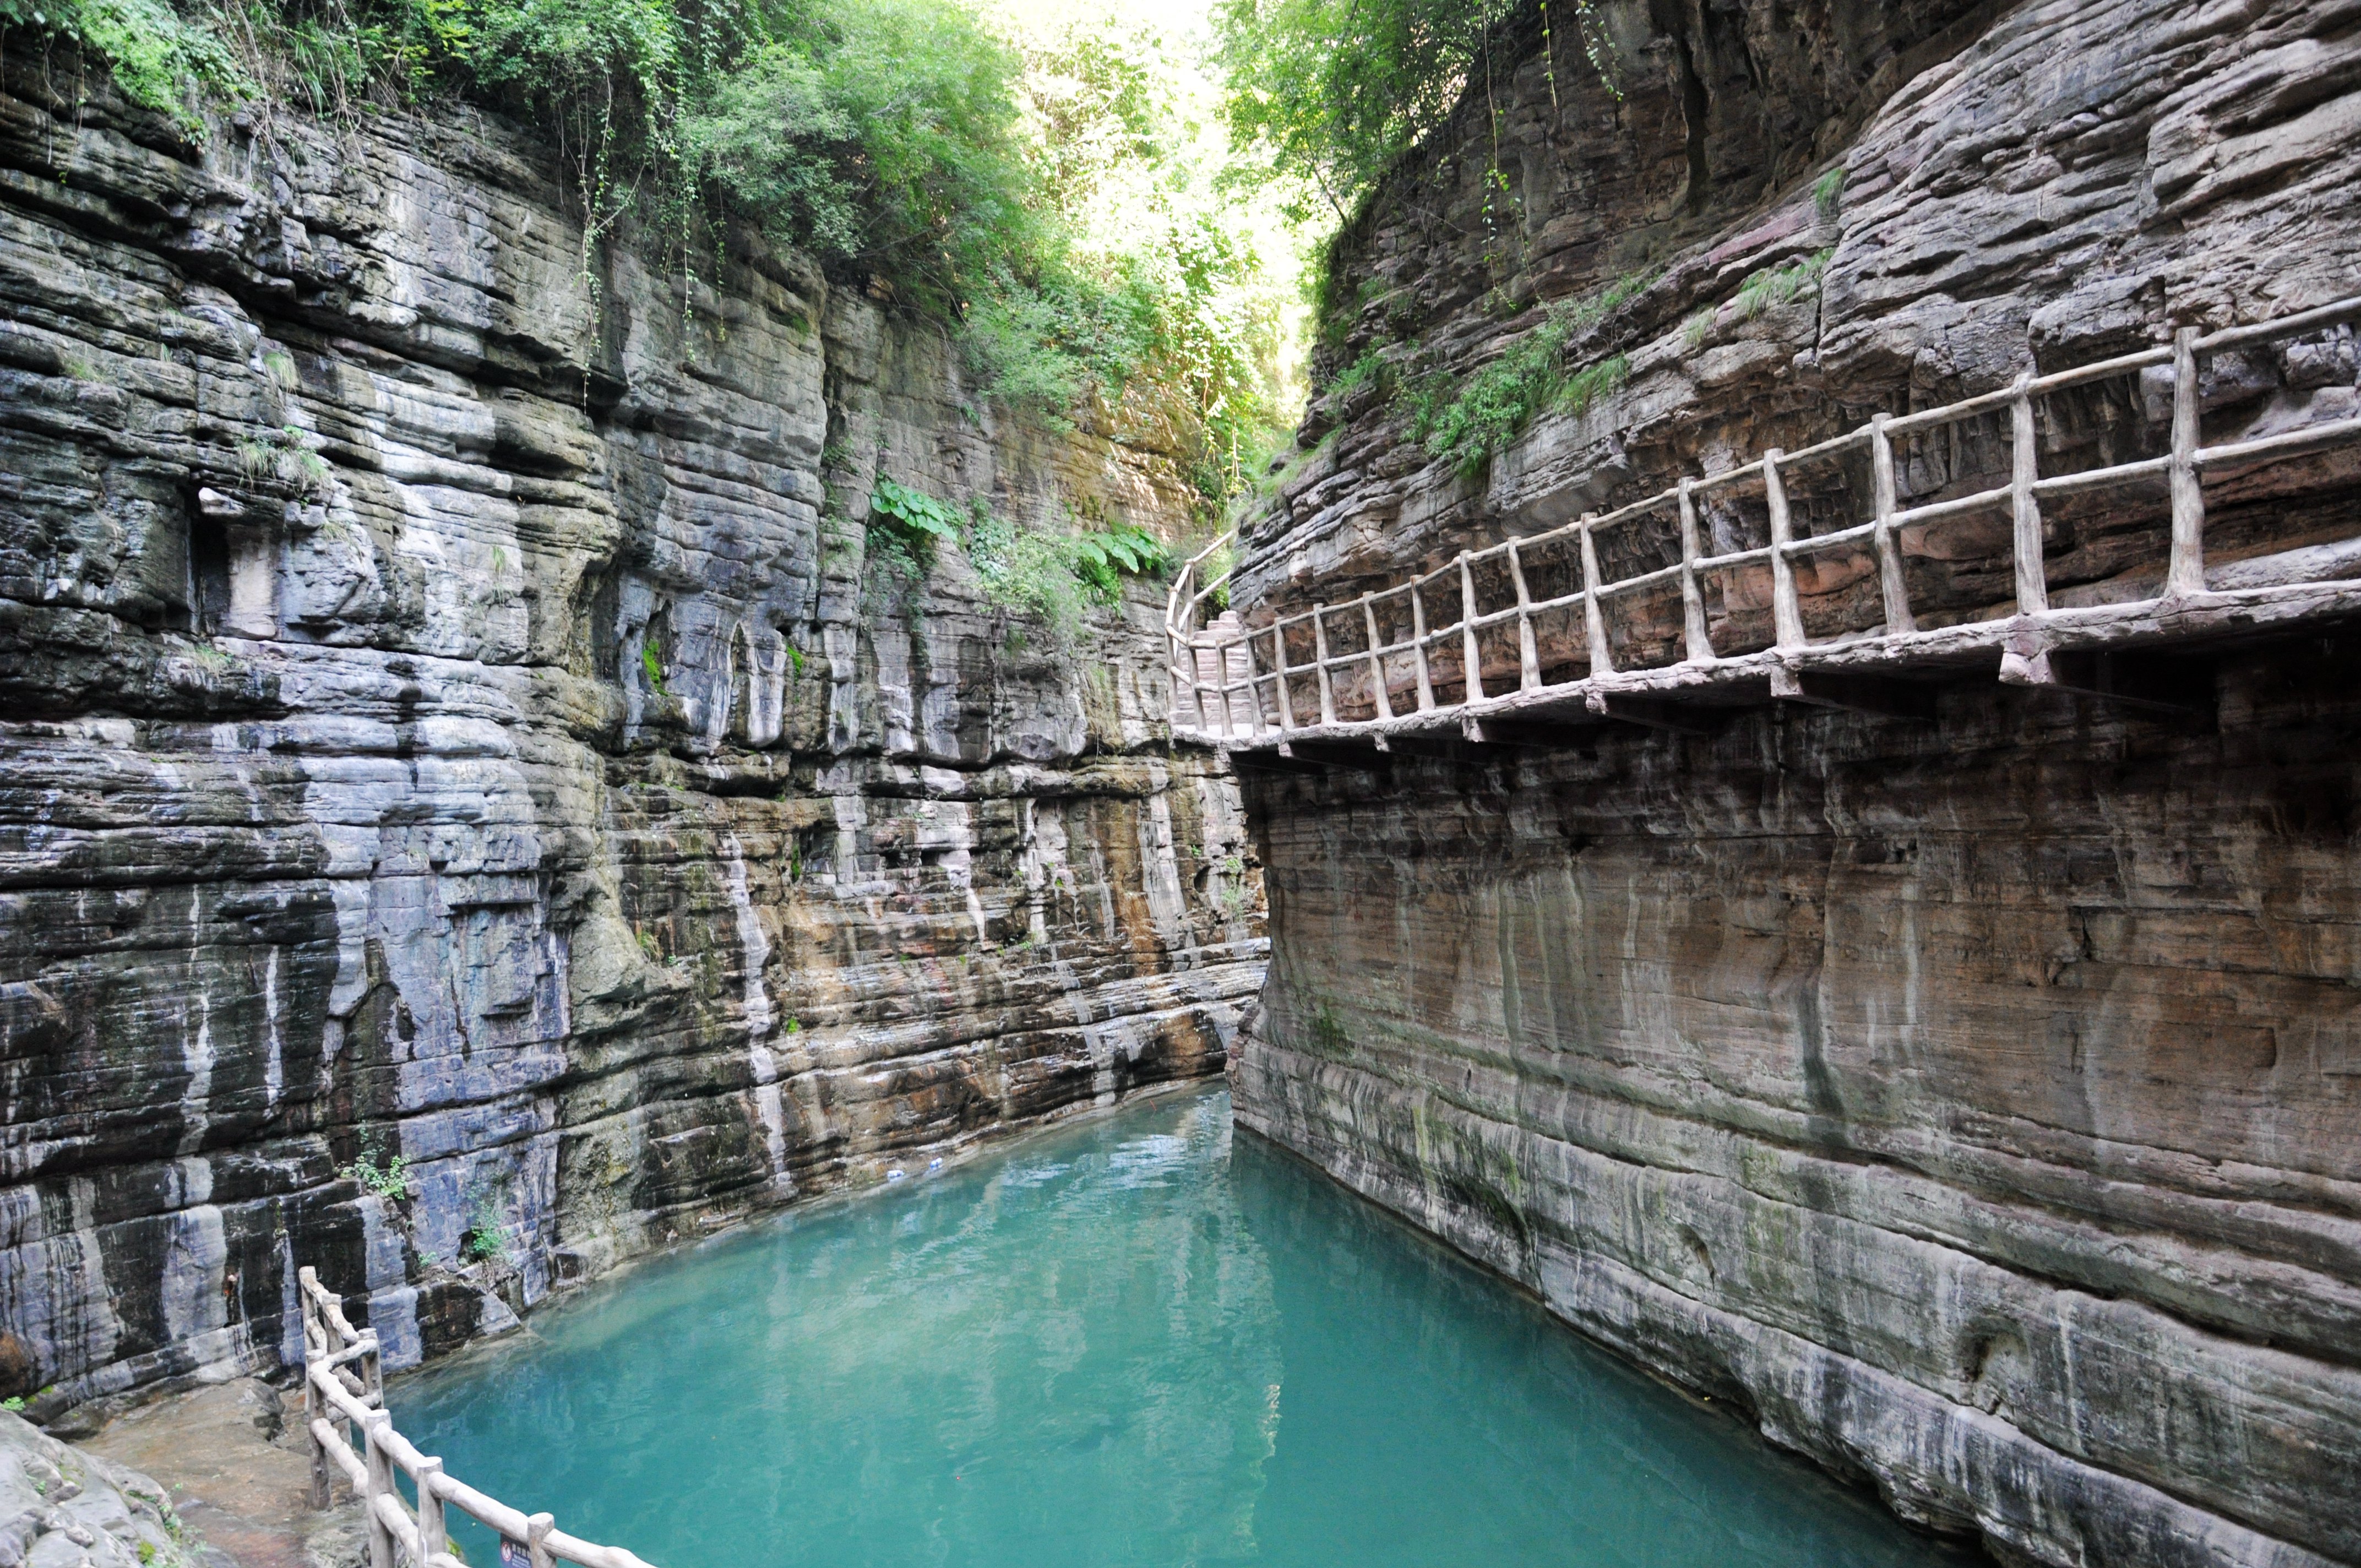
{"points": [[1410, 679]]}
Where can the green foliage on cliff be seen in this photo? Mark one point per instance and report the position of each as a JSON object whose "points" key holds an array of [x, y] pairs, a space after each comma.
{"points": [[1045, 574], [1054, 577], [882, 135], [1043, 191], [1466, 422], [1330, 92], [1761, 288], [159, 60]]}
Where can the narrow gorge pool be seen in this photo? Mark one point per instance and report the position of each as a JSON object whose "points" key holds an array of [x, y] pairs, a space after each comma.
{"points": [[1136, 1342]]}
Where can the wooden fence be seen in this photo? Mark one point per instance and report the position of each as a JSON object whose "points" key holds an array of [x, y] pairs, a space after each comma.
{"points": [[343, 1410], [1238, 687]]}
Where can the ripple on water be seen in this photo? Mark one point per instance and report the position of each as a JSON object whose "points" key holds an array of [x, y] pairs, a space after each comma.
{"points": [[1130, 1342]]}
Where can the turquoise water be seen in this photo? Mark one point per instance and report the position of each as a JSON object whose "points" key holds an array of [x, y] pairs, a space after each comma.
{"points": [[1134, 1341]]}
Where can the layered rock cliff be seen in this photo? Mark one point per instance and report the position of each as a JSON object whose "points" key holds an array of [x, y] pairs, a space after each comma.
{"points": [[1969, 1101], [470, 809]]}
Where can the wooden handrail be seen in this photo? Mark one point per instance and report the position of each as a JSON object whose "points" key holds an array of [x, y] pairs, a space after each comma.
{"points": [[2020, 498], [397, 1536]]}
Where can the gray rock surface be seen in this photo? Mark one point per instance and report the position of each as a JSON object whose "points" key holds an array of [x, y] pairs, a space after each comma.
{"points": [[62, 1507], [1972, 1103], [442, 722]]}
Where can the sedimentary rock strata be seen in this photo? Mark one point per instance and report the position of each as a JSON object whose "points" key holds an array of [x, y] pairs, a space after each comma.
{"points": [[469, 809], [1971, 1102]]}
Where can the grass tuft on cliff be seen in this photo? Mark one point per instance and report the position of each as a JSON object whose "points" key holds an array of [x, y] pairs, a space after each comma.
{"points": [[1468, 422]]}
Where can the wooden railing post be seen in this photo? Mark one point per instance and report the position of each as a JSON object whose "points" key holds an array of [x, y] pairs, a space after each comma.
{"points": [[1786, 607], [1418, 639], [1197, 688], [433, 1537], [314, 1407], [1698, 640], [1254, 725], [377, 1480], [2024, 469], [1320, 651], [1469, 650], [1230, 725], [2185, 572], [1529, 658], [1594, 624], [1173, 663], [1889, 551], [1377, 663], [1278, 667], [374, 1457]]}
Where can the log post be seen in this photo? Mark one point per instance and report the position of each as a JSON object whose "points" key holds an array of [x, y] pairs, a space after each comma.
{"points": [[1278, 676], [536, 1539], [1469, 650], [1320, 651], [1699, 641], [316, 1405], [1172, 665], [377, 1480], [1418, 639], [1602, 662], [433, 1537], [1254, 686], [1377, 663], [1529, 658], [2185, 573], [1222, 688], [1197, 686], [2025, 468], [1889, 550], [1786, 607]]}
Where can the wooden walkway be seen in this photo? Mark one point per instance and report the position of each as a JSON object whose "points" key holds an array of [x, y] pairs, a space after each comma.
{"points": [[344, 1408], [1642, 602]]}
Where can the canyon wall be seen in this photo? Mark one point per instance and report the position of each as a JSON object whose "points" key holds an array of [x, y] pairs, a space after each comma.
{"points": [[1969, 1101], [472, 806]]}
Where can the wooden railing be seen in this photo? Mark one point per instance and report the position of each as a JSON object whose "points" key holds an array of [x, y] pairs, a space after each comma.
{"points": [[1239, 687], [343, 1410]]}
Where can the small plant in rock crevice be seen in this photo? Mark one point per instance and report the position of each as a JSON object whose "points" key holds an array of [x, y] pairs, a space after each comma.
{"points": [[910, 522], [389, 1179], [486, 1238], [1763, 289], [283, 455], [1827, 193], [1235, 894]]}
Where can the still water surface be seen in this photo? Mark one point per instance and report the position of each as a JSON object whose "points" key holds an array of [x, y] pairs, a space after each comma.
{"points": [[1134, 1341]]}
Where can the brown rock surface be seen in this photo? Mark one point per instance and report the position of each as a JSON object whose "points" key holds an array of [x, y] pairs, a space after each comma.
{"points": [[1973, 1101]]}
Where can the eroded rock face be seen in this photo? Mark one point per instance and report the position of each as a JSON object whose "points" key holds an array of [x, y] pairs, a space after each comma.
{"points": [[63, 1507], [1972, 1101], [442, 723]]}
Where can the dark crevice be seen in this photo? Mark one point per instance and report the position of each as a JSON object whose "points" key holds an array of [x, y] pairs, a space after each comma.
{"points": [[1695, 106]]}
